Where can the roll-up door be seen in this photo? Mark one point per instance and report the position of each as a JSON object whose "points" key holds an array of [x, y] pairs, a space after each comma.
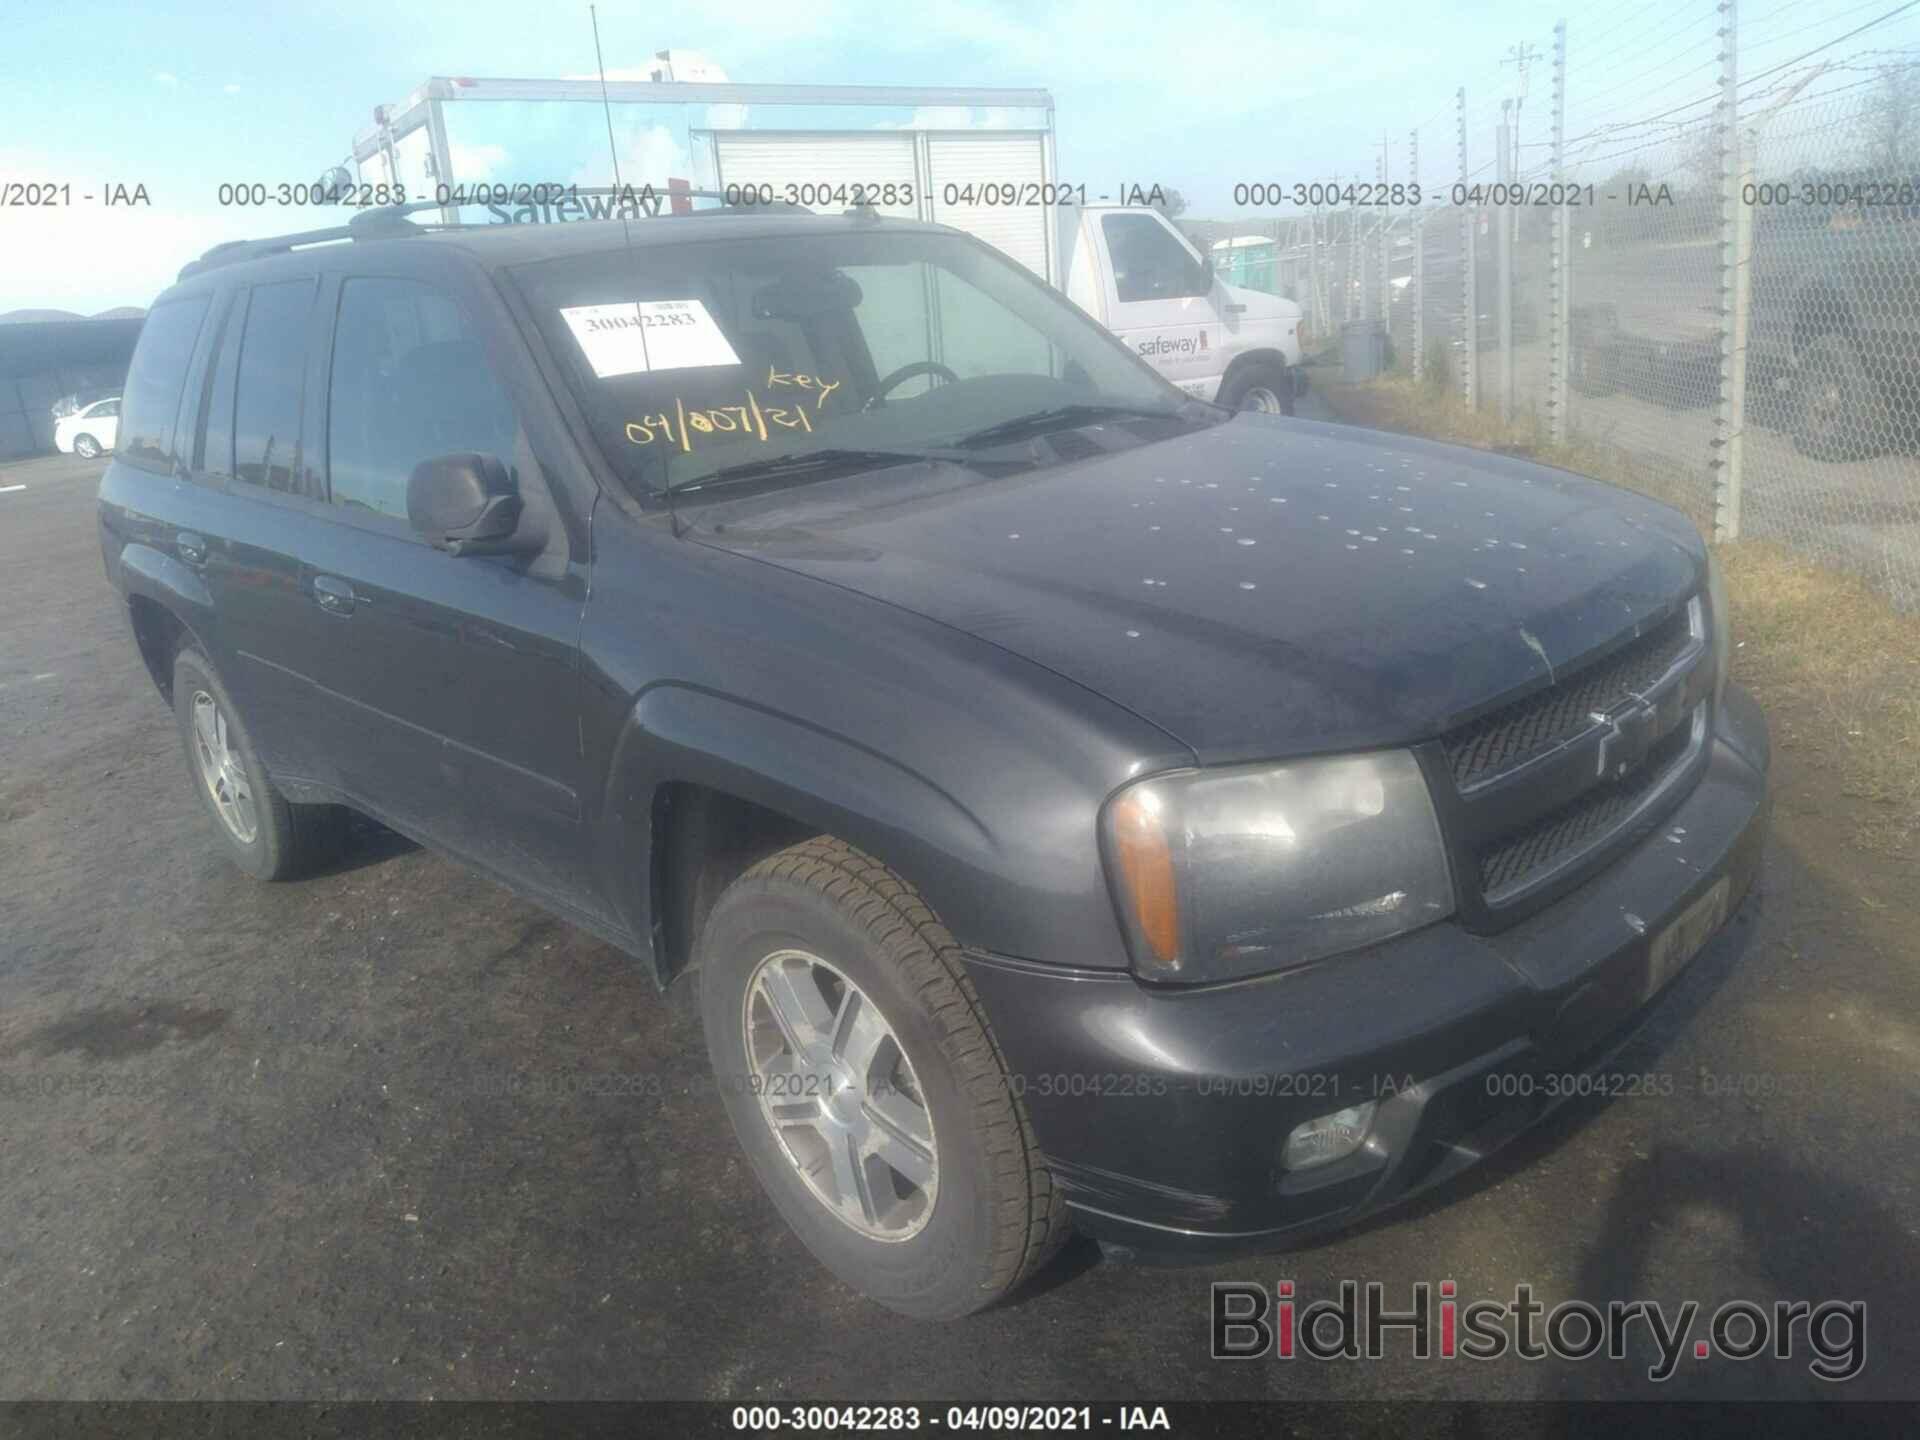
{"points": [[1014, 165], [819, 166]]}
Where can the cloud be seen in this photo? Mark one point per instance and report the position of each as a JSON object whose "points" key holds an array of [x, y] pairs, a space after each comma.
{"points": [[166, 78], [649, 155]]}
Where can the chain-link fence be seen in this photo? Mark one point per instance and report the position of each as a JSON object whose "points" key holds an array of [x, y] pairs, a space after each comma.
{"points": [[1688, 248]]}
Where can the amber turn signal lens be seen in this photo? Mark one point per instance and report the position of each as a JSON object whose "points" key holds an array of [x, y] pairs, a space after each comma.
{"points": [[1146, 868]]}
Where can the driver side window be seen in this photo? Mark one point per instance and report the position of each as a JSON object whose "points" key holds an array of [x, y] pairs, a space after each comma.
{"points": [[410, 381], [1149, 262]]}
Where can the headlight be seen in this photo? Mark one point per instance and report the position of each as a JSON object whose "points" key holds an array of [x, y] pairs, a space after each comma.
{"points": [[1720, 628], [1221, 873]]}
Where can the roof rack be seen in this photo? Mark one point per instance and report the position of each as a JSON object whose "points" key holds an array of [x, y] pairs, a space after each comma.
{"points": [[387, 222]]}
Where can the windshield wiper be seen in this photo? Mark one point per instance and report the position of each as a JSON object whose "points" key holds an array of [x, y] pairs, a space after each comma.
{"points": [[844, 460], [1060, 417]]}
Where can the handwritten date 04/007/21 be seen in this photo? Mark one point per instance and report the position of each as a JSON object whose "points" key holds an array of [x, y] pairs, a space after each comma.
{"points": [[749, 418]]}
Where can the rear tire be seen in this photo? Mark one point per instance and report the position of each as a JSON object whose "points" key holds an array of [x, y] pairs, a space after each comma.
{"points": [[1840, 415], [1264, 388], [86, 447], [263, 834], [936, 1206]]}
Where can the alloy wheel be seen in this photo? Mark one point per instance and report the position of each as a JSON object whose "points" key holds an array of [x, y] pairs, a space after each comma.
{"points": [[221, 770], [840, 1095]]}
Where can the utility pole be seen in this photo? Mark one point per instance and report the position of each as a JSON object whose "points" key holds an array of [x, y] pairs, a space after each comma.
{"points": [[1521, 58]]}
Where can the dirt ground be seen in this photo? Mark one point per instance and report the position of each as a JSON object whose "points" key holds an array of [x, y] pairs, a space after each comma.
{"points": [[391, 1132]]}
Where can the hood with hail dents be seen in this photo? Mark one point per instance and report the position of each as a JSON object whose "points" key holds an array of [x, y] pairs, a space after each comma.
{"points": [[1262, 588]]}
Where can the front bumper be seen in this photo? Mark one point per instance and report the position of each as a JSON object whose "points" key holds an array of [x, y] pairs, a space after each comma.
{"points": [[1162, 1113]]}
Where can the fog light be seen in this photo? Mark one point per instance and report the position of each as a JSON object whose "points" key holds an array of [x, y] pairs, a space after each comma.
{"points": [[1330, 1138]]}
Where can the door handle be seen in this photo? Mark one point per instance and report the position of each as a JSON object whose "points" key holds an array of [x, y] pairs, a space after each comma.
{"points": [[192, 547], [335, 596]]}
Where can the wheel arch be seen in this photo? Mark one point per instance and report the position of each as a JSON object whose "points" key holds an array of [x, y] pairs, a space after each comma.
{"points": [[702, 786], [1250, 360], [164, 602]]}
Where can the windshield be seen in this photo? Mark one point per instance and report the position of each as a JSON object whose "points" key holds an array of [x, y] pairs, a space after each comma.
{"points": [[695, 363]]}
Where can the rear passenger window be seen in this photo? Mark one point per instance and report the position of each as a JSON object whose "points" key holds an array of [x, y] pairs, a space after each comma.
{"points": [[151, 397], [266, 407], [213, 453], [410, 381]]}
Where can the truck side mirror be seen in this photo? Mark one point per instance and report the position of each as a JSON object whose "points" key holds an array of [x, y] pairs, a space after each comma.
{"points": [[467, 504]]}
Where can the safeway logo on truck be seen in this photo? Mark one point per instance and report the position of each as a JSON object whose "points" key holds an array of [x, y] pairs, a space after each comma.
{"points": [[1195, 344]]}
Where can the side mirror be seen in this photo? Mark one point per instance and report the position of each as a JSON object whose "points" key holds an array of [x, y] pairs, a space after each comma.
{"points": [[466, 504]]}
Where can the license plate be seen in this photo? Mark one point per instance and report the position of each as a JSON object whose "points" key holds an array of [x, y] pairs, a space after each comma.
{"points": [[1674, 946]]}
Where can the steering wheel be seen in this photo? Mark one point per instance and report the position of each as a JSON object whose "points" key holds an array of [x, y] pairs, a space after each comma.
{"points": [[905, 373]]}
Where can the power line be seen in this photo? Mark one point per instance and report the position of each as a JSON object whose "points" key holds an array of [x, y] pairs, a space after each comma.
{"points": [[1755, 41]]}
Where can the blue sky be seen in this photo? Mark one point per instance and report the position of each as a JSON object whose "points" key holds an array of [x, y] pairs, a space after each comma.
{"points": [[1200, 94]]}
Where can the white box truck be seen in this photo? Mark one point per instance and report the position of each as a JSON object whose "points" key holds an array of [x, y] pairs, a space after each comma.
{"points": [[980, 160]]}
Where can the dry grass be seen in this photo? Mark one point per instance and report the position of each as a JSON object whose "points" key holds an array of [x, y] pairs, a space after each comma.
{"points": [[1837, 668]]}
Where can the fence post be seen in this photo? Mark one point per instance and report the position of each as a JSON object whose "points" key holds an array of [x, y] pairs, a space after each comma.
{"points": [[1322, 319], [1558, 297], [1354, 278], [1470, 350], [1386, 249], [1736, 244], [1417, 287], [1503, 271]]}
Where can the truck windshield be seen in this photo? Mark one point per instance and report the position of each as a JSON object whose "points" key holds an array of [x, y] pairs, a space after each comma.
{"points": [[697, 363]]}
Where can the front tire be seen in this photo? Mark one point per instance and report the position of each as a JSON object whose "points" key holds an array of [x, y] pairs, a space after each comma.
{"points": [[1265, 388], [864, 1084], [86, 447], [264, 835]]}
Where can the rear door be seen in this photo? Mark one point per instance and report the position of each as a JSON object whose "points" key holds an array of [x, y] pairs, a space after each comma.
{"points": [[251, 461], [993, 186], [1159, 300]]}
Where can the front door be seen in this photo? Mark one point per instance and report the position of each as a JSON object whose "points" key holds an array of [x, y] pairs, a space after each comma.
{"points": [[448, 685], [1160, 300]]}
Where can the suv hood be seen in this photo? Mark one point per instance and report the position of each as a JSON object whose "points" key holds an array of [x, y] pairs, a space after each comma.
{"points": [[1261, 588]]}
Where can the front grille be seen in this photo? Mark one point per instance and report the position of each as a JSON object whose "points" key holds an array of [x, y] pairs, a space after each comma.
{"points": [[1510, 736], [1541, 845]]}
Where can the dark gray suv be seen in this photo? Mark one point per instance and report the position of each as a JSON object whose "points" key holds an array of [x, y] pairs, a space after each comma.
{"points": [[1073, 805]]}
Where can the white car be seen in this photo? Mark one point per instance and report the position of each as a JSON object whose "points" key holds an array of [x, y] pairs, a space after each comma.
{"points": [[90, 431]]}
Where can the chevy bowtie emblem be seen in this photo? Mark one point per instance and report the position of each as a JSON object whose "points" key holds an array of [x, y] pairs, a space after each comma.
{"points": [[1628, 739]]}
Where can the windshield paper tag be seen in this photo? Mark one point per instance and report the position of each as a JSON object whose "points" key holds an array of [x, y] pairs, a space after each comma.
{"points": [[639, 336]]}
